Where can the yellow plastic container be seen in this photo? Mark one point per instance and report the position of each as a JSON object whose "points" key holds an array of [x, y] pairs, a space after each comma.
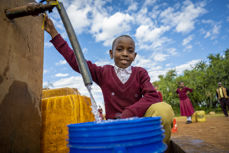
{"points": [[194, 117], [59, 92], [59, 111], [200, 116]]}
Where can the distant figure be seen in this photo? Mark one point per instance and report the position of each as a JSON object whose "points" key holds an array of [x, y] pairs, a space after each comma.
{"points": [[100, 110], [186, 108], [159, 94], [222, 95]]}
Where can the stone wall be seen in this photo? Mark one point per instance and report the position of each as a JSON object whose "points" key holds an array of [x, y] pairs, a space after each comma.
{"points": [[21, 71]]}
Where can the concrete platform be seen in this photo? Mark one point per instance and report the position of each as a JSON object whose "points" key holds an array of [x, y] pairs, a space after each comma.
{"points": [[186, 144]]}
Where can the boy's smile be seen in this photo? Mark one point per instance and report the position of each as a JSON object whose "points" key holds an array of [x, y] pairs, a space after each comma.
{"points": [[123, 52]]}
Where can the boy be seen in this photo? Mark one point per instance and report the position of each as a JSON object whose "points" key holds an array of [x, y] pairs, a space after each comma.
{"points": [[126, 89]]}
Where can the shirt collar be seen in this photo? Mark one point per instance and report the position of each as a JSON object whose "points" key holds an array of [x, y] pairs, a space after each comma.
{"points": [[118, 69]]}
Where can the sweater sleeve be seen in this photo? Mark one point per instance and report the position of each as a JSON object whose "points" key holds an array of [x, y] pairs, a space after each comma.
{"points": [[61, 45], [177, 91], [149, 97], [160, 96], [188, 89]]}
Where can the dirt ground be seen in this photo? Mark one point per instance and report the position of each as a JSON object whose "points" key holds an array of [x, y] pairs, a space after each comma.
{"points": [[215, 131]]}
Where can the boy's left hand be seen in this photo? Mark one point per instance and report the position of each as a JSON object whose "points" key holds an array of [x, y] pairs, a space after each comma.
{"points": [[126, 114], [118, 115]]}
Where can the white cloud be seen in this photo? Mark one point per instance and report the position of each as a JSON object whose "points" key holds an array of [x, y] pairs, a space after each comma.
{"points": [[167, 65], [184, 20], [61, 62], [151, 37], [77, 82], [61, 74], [189, 47], [103, 62], [155, 73], [79, 16], [141, 61], [132, 7], [146, 33], [45, 71], [45, 84], [148, 3], [48, 44], [160, 57], [208, 34], [142, 17], [172, 51], [228, 19], [85, 50], [187, 40], [214, 29], [110, 27], [180, 69]]}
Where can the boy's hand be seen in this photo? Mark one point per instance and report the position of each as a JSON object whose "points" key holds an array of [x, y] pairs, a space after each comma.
{"points": [[126, 114], [49, 27], [118, 115]]}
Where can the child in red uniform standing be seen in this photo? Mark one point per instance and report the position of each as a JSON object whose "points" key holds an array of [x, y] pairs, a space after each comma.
{"points": [[186, 108], [127, 90]]}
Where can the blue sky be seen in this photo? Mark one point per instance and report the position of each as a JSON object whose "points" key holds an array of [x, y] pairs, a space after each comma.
{"points": [[169, 34]]}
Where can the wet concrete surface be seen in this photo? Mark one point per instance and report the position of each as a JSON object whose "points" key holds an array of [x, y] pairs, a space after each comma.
{"points": [[184, 144]]}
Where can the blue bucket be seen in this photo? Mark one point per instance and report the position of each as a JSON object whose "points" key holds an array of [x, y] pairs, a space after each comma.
{"points": [[133, 135]]}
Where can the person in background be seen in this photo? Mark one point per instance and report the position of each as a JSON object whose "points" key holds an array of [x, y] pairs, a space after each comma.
{"points": [[100, 110], [126, 89], [159, 94], [186, 108], [222, 95]]}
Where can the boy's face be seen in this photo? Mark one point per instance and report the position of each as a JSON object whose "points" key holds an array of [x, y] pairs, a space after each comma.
{"points": [[123, 52]]}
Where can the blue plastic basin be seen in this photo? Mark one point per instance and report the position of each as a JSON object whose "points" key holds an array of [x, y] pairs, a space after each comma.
{"points": [[135, 135]]}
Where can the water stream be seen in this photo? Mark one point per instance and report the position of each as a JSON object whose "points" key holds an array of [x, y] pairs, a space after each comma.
{"points": [[93, 105]]}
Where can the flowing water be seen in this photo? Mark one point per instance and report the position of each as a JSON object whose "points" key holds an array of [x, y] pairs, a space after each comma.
{"points": [[93, 105]]}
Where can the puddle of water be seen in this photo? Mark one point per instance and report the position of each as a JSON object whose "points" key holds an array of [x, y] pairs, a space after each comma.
{"points": [[196, 141]]}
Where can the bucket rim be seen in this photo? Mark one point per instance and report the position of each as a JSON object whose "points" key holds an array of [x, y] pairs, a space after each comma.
{"points": [[115, 122]]}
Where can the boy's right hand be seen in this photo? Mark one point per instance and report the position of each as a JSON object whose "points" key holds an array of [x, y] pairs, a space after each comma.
{"points": [[49, 27]]}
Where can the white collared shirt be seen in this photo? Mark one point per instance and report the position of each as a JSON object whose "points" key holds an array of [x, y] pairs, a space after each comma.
{"points": [[123, 74]]}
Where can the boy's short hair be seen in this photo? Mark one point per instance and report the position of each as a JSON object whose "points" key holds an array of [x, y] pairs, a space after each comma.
{"points": [[113, 43]]}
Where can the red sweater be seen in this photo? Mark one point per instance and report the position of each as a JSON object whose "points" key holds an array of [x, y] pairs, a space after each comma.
{"points": [[182, 92], [160, 96], [130, 99]]}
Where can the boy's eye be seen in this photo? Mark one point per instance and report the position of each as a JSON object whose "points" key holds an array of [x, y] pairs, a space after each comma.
{"points": [[131, 50]]}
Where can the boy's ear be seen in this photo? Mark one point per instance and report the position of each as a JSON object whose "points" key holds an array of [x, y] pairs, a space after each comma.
{"points": [[135, 55], [111, 53]]}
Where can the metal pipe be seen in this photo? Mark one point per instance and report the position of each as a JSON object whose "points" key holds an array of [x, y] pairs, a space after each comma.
{"points": [[37, 8], [83, 67], [30, 9]]}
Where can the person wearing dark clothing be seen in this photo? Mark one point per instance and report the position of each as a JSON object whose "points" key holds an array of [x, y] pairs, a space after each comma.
{"points": [[222, 95]]}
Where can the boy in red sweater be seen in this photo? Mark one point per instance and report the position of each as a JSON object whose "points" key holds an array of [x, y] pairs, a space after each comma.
{"points": [[126, 89]]}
